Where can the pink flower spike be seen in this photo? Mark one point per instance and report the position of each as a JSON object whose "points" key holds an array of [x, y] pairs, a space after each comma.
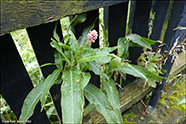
{"points": [[92, 36]]}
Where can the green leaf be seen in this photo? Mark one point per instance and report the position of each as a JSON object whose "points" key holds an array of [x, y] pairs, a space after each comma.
{"points": [[151, 83], [49, 81], [58, 58], [103, 60], [113, 96], [72, 96], [50, 111], [55, 35], [76, 45], [93, 56], [96, 96], [110, 49], [83, 38], [89, 108], [46, 64], [93, 66], [30, 102], [151, 42], [86, 79], [65, 46], [121, 45], [138, 71], [138, 40], [129, 69], [147, 73], [116, 62], [59, 49], [80, 18]]}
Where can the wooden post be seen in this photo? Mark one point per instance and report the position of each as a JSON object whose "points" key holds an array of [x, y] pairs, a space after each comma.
{"points": [[178, 16], [15, 81], [40, 37]]}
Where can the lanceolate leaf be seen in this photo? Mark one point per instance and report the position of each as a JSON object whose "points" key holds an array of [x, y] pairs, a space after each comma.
{"points": [[58, 58], [138, 71], [121, 45], [76, 45], [72, 96], [129, 69], [30, 102], [95, 96], [89, 108], [49, 81], [55, 35], [148, 40], [59, 49], [85, 80], [137, 39], [93, 66], [147, 73], [112, 92], [93, 56], [113, 96], [78, 19], [83, 39]]}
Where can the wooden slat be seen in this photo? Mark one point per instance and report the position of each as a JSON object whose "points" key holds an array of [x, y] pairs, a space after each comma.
{"points": [[177, 8], [159, 8], [179, 65], [177, 20], [117, 16], [40, 37], [15, 82], [140, 26], [23, 14], [132, 94]]}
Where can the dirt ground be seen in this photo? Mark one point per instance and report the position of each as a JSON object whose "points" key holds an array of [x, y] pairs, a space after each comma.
{"points": [[167, 111]]}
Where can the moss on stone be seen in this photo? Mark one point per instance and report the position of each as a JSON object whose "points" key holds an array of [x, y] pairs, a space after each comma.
{"points": [[132, 115], [162, 101], [173, 99]]}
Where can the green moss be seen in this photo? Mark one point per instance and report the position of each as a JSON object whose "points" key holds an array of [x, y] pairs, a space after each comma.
{"points": [[179, 107], [162, 101], [176, 94], [132, 115], [173, 99], [151, 121], [176, 87], [129, 122], [163, 96]]}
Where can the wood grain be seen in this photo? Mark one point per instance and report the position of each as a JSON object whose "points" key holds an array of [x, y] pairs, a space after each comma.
{"points": [[23, 14]]}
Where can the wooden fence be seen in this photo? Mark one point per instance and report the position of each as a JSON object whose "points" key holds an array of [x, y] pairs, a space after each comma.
{"points": [[39, 19]]}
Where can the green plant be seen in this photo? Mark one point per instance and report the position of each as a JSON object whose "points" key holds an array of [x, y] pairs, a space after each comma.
{"points": [[6, 112], [73, 58]]}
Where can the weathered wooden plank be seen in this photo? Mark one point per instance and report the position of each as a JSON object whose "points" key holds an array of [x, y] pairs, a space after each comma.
{"points": [[15, 81], [117, 18], [179, 64], [159, 10], [23, 14], [140, 26], [132, 94], [177, 19], [40, 37]]}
